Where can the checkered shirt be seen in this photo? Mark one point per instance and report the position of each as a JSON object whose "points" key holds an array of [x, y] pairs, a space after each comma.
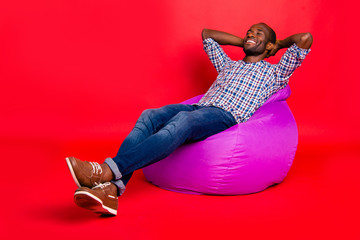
{"points": [[241, 87]]}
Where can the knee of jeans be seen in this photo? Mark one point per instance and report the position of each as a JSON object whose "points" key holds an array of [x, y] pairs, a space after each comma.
{"points": [[148, 113], [183, 117]]}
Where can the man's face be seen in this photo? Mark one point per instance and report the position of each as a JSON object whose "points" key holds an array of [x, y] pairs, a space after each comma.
{"points": [[256, 39]]}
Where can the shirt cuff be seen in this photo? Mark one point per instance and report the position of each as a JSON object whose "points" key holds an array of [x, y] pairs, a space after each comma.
{"points": [[300, 53], [208, 41]]}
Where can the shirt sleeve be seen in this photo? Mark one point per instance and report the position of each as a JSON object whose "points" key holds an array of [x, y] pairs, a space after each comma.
{"points": [[290, 61], [215, 53]]}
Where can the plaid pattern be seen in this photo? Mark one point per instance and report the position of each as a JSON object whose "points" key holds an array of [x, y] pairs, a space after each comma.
{"points": [[241, 88]]}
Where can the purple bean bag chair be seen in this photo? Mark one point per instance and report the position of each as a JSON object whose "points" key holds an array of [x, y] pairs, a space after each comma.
{"points": [[246, 158]]}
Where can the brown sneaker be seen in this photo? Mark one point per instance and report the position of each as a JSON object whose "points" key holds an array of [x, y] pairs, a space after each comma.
{"points": [[88, 174], [100, 199]]}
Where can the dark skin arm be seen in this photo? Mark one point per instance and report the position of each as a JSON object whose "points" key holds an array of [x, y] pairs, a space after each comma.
{"points": [[222, 38], [302, 40]]}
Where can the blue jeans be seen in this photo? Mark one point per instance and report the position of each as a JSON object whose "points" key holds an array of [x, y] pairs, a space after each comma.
{"points": [[158, 132]]}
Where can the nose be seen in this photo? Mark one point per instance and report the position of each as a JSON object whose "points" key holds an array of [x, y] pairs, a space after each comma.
{"points": [[250, 34]]}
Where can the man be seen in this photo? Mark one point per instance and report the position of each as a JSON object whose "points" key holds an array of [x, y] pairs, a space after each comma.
{"points": [[239, 90]]}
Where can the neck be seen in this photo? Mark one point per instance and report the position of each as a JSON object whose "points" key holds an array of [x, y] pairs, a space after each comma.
{"points": [[258, 58]]}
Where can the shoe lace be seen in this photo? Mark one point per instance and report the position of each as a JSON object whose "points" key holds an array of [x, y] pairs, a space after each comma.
{"points": [[101, 185], [97, 169]]}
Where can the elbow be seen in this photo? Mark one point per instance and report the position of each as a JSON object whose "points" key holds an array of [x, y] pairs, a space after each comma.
{"points": [[205, 34], [306, 40], [307, 37]]}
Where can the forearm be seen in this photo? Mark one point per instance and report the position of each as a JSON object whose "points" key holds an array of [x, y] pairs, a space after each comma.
{"points": [[222, 38], [302, 40]]}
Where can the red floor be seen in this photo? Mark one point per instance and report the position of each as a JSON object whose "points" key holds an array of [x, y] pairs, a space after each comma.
{"points": [[318, 200]]}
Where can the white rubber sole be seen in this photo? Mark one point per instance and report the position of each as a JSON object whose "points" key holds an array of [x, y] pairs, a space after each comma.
{"points": [[72, 172], [89, 201]]}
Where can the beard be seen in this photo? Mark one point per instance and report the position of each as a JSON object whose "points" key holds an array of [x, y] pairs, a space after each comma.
{"points": [[253, 51]]}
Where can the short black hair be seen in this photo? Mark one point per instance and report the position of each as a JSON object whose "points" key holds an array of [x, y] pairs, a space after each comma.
{"points": [[272, 37]]}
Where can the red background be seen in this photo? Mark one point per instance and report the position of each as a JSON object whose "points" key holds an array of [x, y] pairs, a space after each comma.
{"points": [[76, 75]]}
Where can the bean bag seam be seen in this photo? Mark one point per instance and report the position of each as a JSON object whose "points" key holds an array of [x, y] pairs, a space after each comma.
{"points": [[226, 174]]}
